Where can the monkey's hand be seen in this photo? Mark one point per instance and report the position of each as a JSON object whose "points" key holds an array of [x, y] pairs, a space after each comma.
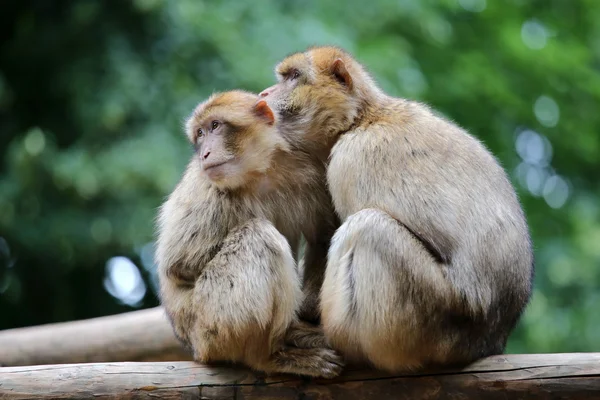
{"points": [[182, 275]]}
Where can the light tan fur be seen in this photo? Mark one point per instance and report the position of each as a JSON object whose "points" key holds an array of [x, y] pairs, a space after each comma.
{"points": [[227, 242], [433, 262]]}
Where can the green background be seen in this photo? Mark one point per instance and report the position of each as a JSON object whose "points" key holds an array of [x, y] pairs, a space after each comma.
{"points": [[93, 95]]}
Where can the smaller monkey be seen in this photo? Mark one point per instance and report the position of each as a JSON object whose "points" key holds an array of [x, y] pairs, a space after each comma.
{"points": [[227, 238]]}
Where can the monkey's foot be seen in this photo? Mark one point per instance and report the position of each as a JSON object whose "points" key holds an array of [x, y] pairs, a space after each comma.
{"points": [[323, 362], [306, 336]]}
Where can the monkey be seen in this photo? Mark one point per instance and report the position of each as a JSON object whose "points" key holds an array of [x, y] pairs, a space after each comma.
{"points": [[433, 264], [227, 237]]}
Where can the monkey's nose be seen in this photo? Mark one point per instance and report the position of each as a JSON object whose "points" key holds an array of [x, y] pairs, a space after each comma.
{"points": [[264, 93], [205, 156]]}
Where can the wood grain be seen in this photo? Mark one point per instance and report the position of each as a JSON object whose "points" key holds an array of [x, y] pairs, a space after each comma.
{"points": [[521, 376]]}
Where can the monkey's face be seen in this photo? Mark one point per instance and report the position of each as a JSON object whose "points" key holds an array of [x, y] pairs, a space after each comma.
{"points": [[234, 138], [315, 96]]}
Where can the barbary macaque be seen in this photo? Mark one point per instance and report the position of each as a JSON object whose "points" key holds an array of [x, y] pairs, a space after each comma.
{"points": [[433, 262], [228, 236]]}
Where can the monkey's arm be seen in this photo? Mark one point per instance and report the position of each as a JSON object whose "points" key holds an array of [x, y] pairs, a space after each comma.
{"points": [[186, 270], [190, 233]]}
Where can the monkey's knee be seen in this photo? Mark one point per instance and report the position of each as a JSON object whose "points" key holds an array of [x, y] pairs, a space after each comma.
{"points": [[365, 239], [246, 296], [255, 237], [363, 227], [366, 300], [373, 258], [353, 275]]}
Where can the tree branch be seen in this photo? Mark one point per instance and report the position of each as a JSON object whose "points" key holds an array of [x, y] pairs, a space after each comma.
{"points": [[144, 335], [522, 376]]}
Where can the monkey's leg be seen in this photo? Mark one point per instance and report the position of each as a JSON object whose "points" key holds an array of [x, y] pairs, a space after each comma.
{"points": [[382, 294], [245, 301], [314, 263], [313, 266]]}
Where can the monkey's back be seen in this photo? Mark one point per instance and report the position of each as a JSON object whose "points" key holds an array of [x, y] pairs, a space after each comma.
{"points": [[446, 188]]}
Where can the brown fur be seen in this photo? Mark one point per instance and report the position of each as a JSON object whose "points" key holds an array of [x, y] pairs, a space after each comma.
{"points": [[433, 262], [228, 278]]}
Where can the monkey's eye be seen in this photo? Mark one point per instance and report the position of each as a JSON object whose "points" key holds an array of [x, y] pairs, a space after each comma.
{"points": [[215, 125], [295, 74], [200, 133]]}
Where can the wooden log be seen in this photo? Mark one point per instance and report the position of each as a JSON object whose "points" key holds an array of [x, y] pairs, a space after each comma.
{"points": [[521, 376], [134, 336]]}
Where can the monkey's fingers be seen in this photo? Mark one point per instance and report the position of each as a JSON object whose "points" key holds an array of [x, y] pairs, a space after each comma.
{"points": [[183, 275]]}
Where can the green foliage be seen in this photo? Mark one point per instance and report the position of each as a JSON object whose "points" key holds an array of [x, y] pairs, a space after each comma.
{"points": [[93, 95]]}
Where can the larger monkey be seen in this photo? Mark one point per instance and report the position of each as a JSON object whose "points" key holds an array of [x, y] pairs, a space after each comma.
{"points": [[433, 262], [227, 272]]}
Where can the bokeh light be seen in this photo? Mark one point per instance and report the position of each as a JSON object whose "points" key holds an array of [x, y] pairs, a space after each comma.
{"points": [[534, 34], [124, 281]]}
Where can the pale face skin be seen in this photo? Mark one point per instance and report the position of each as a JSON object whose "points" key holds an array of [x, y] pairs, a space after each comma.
{"points": [[218, 163], [233, 143]]}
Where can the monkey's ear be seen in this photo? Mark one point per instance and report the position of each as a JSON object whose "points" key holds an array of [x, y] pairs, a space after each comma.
{"points": [[339, 71], [263, 110]]}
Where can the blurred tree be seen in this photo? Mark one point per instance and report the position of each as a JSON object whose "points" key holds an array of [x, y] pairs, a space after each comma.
{"points": [[92, 96]]}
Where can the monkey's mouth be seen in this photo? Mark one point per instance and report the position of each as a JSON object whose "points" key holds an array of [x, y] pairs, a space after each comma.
{"points": [[217, 171], [208, 166]]}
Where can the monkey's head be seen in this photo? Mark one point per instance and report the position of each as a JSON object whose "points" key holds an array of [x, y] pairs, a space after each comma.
{"points": [[320, 94], [234, 136]]}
